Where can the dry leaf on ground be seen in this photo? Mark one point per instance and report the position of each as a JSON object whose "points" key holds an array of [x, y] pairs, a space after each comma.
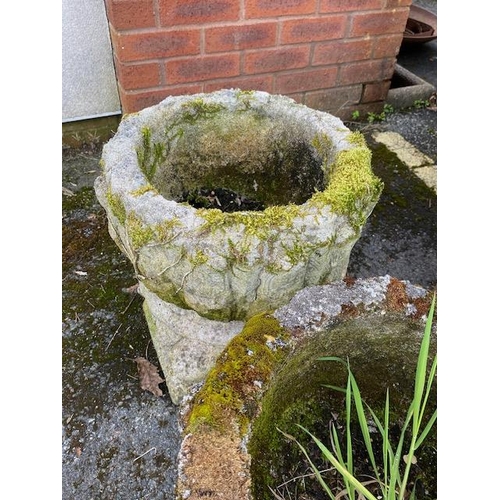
{"points": [[148, 376]]}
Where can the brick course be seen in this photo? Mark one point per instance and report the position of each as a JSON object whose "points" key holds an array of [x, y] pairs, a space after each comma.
{"points": [[158, 44], [272, 8], [251, 36], [328, 54], [176, 12], [313, 29], [271, 61]]}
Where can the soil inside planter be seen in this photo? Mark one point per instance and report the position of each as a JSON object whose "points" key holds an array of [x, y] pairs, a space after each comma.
{"points": [[222, 199], [300, 483]]}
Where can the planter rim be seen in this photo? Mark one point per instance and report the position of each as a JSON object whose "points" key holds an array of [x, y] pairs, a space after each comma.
{"points": [[126, 180]]}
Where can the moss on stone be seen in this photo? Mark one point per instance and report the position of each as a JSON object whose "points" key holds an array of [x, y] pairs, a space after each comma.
{"points": [[357, 138], [323, 145], [245, 97], [139, 234], [258, 224], [166, 230], [199, 108], [150, 155], [198, 258], [144, 189], [116, 206], [233, 386], [352, 184]]}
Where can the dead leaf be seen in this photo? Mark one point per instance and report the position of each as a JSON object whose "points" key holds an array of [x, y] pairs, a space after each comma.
{"points": [[148, 376], [131, 289], [67, 191], [413, 459]]}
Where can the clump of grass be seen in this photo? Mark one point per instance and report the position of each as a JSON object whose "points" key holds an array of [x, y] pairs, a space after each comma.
{"points": [[392, 474]]}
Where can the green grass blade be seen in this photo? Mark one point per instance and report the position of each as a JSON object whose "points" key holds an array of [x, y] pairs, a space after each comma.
{"points": [[348, 406], [335, 388], [430, 380], [333, 358], [386, 445], [417, 408], [421, 371], [426, 430], [336, 448], [359, 405], [317, 473], [345, 473]]}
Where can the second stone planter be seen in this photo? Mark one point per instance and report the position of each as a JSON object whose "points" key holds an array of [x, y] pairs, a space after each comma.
{"points": [[307, 174]]}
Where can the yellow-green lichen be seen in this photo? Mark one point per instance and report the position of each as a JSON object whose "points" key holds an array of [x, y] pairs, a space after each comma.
{"points": [[138, 233], [144, 189], [259, 224], [357, 138], [198, 108], [231, 388], [298, 252], [352, 184], [238, 253], [198, 258], [273, 267], [245, 97], [116, 206], [166, 230]]}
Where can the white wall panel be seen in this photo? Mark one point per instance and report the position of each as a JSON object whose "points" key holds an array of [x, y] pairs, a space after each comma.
{"points": [[89, 88]]}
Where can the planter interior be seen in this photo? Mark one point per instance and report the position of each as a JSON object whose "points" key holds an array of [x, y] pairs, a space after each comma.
{"points": [[257, 154]]}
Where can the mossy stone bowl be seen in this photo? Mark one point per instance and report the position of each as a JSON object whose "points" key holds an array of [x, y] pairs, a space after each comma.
{"points": [[308, 172]]}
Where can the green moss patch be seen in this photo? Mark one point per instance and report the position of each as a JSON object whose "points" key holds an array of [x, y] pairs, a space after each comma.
{"points": [[352, 184], [116, 206], [232, 387]]}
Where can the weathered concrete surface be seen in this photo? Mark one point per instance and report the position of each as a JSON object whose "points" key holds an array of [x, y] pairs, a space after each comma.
{"points": [[187, 344], [313, 306]]}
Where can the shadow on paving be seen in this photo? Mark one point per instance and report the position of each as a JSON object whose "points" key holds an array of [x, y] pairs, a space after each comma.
{"points": [[400, 236]]}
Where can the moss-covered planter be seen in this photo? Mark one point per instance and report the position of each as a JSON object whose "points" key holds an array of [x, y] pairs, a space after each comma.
{"points": [[204, 271], [311, 174]]}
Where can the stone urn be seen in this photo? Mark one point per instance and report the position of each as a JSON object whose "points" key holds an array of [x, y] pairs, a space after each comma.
{"points": [[300, 188]]}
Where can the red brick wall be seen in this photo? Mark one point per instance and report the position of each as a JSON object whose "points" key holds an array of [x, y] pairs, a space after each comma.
{"points": [[332, 55]]}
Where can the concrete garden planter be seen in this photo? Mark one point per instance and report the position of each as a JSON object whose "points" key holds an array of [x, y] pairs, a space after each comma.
{"points": [[307, 174]]}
